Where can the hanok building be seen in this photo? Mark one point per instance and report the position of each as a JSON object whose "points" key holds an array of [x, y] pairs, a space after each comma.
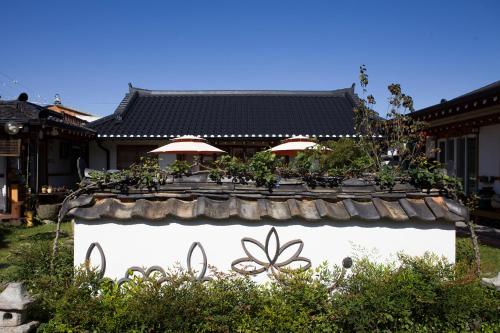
{"points": [[71, 115], [466, 132], [38, 148], [238, 122]]}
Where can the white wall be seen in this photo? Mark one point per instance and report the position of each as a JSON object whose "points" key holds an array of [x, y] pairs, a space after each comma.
{"points": [[139, 243], [489, 151]]}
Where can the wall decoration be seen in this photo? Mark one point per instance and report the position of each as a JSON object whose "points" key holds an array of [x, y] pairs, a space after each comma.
{"points": [[156, 273], [251, 265], [102, 267], [201, 275]]}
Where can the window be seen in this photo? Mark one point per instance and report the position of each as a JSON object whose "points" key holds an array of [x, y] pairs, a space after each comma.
{"points": [[472, 161], [442, 152], [127, 155], [10, 147], [460, 158]]}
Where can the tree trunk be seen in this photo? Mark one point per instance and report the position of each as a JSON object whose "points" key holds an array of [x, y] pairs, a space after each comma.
{"points": [[475, 245]]}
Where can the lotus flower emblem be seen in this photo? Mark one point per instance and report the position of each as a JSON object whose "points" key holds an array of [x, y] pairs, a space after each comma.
{"points": [[277, 258]]}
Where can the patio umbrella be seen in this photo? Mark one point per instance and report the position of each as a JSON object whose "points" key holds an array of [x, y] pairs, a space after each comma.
{"points": [[293, 145], [188, 144]]}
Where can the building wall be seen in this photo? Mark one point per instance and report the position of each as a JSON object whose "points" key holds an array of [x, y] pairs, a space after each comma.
{"points": [[148, 243], [97, 156], [489, 151], [60, 164]]}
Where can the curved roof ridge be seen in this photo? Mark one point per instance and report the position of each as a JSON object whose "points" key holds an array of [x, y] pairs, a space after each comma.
{"points": [[257, 92]]}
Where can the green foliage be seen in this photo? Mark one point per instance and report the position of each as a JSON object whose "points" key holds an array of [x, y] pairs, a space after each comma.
{"points": [[32, 265], [464, 251], [387, 176], [420, 294], [230, 167], [144, 174], [342, 158], [426, 174], [262, 166], [179, 168], [423, 295]]}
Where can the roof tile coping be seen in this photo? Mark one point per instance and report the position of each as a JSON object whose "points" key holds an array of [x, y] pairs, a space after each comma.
{"points": [[395, 207]]}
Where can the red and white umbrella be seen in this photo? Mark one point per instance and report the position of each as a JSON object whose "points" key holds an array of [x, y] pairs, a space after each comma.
{"points": [[188, 144], [293, 145]]}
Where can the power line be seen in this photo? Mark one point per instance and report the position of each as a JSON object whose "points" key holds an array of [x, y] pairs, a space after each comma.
{"points": [[13, 81]]}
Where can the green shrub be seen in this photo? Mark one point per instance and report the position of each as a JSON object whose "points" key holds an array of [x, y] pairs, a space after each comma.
{"points": [[344, 158], [32, 262], [420, 294], [464, 251]]}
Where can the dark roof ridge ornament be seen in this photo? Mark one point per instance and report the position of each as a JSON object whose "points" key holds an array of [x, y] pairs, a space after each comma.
{"points": [[23, 97]]}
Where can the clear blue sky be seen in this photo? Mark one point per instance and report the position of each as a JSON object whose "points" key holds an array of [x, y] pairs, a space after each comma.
{"points": [[88, 51]]}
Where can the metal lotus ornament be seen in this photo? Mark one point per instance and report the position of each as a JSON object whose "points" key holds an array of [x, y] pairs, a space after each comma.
{"points": [[274, 262]]}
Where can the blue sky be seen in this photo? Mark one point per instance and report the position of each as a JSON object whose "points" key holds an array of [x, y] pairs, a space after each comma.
{"points": [[88, 51]]}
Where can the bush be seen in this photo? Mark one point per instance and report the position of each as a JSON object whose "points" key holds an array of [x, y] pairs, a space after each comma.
{"points": [[344, 158], [420, 294], [464, 251], [32, 262]]}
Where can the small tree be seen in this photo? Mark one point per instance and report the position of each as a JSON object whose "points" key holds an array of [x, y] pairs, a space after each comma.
{"points": [[399, 134]]}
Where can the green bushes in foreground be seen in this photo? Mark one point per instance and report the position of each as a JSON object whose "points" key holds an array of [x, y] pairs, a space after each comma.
{"points": [[418, 295]]}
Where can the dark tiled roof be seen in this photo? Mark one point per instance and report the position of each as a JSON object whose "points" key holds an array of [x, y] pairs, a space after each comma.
{"points": [[24, 112], [483, 97], [232, 113], [292, 200]]}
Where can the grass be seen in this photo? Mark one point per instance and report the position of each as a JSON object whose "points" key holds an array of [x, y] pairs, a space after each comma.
{"points": [[11, 238], [490, 260]]}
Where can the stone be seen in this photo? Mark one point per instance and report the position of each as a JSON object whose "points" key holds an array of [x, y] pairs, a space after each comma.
{"points": [[25, 328], [14, 303], [48, 212], [15, 297], [492, 282], [11, 318]]}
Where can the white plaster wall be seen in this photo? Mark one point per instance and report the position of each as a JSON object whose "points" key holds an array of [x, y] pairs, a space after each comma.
{"points": [[489, 151], [139, 243]]}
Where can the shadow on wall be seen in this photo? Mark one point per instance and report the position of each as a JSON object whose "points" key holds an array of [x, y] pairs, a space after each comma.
{"points": [[423, 225]]}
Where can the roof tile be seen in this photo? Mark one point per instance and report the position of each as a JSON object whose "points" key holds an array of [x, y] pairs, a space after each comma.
{"points": [[226, 113]]}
